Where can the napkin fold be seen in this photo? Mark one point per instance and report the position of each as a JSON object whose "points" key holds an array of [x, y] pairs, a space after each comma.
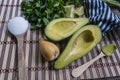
{"points": [[99, 13]]}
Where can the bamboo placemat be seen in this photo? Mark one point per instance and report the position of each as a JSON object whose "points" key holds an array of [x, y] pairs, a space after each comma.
{"points": [[38, 68]]}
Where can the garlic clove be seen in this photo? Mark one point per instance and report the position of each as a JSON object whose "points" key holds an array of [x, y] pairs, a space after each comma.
{"points": [[48, 49]]}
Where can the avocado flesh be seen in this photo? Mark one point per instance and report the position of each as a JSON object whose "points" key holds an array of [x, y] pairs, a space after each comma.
{"points": [[108, 49], [79, 45], [64, 27]]}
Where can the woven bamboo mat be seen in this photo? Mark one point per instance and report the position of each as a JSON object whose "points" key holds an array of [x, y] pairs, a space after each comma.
{"points": [[38, 68]]}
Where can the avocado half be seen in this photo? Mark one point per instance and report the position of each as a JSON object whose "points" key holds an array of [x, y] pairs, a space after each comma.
{"points": [[79, 45], [62, 28]]}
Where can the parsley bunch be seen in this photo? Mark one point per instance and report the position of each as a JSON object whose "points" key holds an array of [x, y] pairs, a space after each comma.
{"points": [[40, 12]]}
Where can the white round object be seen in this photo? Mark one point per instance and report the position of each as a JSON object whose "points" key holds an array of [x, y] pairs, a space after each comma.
{"points": [[17, 25]]}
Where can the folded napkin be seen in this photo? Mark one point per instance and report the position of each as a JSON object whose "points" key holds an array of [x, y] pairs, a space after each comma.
{"points": [[99, 13]]}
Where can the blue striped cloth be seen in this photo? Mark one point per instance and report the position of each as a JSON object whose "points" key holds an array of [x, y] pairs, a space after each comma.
{"points": [[99, 13]]}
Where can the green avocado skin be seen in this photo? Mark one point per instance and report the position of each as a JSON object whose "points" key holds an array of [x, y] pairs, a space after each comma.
{"points": [[55, 32], [81, 43]]}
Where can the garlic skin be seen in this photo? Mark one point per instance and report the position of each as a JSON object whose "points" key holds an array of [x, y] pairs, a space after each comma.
{"points": [[48, 49]]}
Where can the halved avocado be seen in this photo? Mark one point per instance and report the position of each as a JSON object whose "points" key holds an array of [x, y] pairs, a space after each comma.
{"points": [[79, 45], [62, 28]]}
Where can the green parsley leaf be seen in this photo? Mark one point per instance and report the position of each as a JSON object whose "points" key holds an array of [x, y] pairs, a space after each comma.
{"points": [[40, 12]]}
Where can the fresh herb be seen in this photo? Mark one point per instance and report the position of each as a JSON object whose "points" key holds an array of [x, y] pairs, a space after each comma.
{"points": [[40, 12]]}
